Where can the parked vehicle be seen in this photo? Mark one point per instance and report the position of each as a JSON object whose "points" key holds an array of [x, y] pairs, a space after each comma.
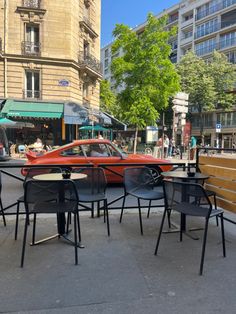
{"points": [[96, 152]]}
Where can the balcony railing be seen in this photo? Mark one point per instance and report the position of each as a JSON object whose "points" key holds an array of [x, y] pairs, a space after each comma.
{"points": [[222, 44], [30, 48], [214, 28], [88, 60], [32, 94], [215, 8], [36, 4]]}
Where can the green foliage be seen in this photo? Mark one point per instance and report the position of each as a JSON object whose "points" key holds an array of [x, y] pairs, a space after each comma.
{"points": [[107, 97], [207, 82], [145, 70]]}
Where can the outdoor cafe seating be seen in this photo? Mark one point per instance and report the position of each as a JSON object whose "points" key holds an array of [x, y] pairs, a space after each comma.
{"points": [[55, 190], [139, 183], [92, 190], [184, 197], [29, 176]]}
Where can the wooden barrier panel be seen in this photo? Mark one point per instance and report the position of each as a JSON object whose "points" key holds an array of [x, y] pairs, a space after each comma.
{"points": [[222, 173]]}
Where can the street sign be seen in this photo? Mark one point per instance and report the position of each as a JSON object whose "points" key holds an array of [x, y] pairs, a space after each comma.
{"points": [[218, 128], [180, 102], [180, 109], [182, 96]]}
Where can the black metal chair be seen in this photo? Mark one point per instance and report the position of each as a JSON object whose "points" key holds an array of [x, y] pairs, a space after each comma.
{"points": [[138, 182], [31, 172], [1, 206], [184, 197], [92, 189], [65, 200]]}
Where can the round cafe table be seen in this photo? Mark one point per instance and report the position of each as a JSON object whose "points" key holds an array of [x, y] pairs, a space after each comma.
{"points": [[183, 176], [61, 220]]}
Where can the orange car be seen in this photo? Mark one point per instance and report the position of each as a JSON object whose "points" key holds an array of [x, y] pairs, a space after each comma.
{"points": [[97, 152]]}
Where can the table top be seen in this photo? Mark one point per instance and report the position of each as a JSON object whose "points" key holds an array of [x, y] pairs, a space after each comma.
{"points": [[184, 175], [58, 176]]}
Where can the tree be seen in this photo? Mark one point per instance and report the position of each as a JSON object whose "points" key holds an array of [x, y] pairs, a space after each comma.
{"points": [[145, 72], [107, 97], [207, 83]]}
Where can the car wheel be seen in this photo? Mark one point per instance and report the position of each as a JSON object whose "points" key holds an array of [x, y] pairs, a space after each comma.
{"points": [[156, 174]]}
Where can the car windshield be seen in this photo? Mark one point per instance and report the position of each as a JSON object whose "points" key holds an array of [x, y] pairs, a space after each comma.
{"points": [[124, 154]]}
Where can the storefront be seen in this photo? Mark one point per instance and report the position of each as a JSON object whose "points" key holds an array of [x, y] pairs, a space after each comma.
{"points": [[45, 117]]}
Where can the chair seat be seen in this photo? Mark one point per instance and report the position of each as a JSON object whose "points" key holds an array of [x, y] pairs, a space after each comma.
{"points": [[195, 210], [47, 208], [21, 199], [147, 194], [92, 197]]}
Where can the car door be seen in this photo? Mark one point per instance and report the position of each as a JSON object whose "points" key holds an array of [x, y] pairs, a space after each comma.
{"points": [[107, 154]]}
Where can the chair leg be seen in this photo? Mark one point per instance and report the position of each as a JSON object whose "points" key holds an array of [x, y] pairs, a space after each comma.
{"points": [[160, 231], [107, 217], [92, 211], [17, 219], [168, 217], [24, 242], [98, 209], [2, 212], [140, 217], [181, 229], [68, 222], [203, 246], [215, 203], [223, 234], [34, 229], [122, 208], [75, 238], [149, 208], [78, 225]]}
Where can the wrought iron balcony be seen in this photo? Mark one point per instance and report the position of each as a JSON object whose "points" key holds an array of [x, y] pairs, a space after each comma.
{"points": [[36, 4], [88, 26], [30, 48], [88, 61], [32, 94]]}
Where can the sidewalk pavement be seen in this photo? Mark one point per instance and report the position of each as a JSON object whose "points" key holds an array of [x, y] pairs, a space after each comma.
{"points": [[117, 274]]}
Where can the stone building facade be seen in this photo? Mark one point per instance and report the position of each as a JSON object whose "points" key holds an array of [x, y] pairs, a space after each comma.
{"points": [[49, 54]]}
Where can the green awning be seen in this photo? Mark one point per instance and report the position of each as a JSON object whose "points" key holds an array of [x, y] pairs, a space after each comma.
{"points": [[39, 109]]}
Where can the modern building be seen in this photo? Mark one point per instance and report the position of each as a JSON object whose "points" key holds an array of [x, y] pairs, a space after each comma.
{"points": [[50, 65], [203, 26]]}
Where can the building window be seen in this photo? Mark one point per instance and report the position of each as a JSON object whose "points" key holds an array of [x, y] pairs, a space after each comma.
{"points": [[231, 55], [106, 53], [86, 49], [106, 63], [207, 28], [31, 44], [227, 40], [205, 47], [86, 91], [32, 84]]}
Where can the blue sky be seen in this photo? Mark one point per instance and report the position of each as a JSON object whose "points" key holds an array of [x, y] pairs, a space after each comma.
{"points": [[129, 12]]}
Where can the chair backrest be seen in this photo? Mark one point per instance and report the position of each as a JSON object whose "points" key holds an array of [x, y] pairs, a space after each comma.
{"points": [[94, 183], [136, 178], [36, 191], [0, 183], [184, 192]]}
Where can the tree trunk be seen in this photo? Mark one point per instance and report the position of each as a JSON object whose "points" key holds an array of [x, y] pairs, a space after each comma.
{"points": [[135, 139], [201, 129]]}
